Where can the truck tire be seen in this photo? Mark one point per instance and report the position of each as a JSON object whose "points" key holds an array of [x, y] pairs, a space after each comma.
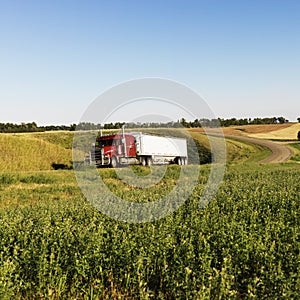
{"points": [[113, 162], [179, 161], [149, 161], [143, 161]]}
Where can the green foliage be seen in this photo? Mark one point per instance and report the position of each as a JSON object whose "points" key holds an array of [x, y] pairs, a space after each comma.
{"points": [[40, 178], [23, 127], [296, 150], [32, 127], [244, 244]]}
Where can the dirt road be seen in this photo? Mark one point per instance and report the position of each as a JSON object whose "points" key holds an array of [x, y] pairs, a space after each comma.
{"points": [[280, 153]]}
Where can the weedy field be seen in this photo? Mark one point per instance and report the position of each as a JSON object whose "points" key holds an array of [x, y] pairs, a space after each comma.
{"points": [[29, 152], [244, 245], [296, 149]]}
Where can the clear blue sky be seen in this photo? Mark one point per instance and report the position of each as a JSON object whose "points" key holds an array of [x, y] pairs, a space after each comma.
{"points": [[243, 57]]}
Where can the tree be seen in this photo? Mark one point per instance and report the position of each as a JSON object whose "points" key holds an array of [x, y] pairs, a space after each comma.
{"points": [[184, 123], [281, 120], [72, 127], [298, 120]]}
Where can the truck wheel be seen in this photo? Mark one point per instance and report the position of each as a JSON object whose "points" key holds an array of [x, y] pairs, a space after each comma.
{"points": [[149, 161], [113, 162], [179, 162], [143, 161]]}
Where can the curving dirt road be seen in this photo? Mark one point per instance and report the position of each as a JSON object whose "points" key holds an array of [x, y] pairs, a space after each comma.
{"points": [[280, 153]]}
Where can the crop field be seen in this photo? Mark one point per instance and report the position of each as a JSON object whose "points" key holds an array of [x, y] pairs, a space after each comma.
{"points": [[288, 133], [55, 245], [250, 129]]}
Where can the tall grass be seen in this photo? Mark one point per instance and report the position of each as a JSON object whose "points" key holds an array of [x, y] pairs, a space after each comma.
{"points": [[18, 153], [60, 138], [296, 149]]}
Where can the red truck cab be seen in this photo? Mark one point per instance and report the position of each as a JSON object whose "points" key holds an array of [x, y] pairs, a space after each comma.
{"points": [[110, 149]]}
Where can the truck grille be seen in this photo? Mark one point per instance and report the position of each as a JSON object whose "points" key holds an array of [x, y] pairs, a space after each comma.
{"points": [[96, 154]]}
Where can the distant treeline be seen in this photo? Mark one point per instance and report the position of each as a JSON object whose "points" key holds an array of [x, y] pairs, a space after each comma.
{"points": [[33, 127], [188, 124]]}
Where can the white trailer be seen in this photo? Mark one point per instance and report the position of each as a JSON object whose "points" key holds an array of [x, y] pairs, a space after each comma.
{"points": [[160, 150]]}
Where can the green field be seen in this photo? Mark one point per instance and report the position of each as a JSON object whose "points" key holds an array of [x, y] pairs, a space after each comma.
{"points": [[55, 245], [296, 149]]}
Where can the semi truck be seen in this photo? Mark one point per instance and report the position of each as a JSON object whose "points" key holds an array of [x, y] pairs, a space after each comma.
{"points": [[137, 148]]}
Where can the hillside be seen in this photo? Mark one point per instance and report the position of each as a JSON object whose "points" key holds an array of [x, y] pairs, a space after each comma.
{"points": [[247, 129], [59, 138], [51, 150], [287, 133], [28, 153]]}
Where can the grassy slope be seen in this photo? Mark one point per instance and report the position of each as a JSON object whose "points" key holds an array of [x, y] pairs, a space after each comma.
{"points": [[237, 151], [26, 153], [296, 149], [59, 138]]}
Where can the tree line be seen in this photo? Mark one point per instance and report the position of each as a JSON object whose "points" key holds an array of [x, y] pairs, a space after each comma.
{"points": [[196, 123], [33, 127]]}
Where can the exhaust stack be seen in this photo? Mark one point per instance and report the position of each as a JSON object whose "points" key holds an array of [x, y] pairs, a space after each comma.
{"points": [[124, 140], [101, 130]]}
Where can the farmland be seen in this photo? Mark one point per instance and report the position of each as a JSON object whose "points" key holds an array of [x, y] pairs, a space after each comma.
{"points": [[55, 245], [280, 132], [288, 133]]}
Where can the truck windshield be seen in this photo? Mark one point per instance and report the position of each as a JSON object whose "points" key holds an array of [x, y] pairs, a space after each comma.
{"points": [[103, 143]]}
